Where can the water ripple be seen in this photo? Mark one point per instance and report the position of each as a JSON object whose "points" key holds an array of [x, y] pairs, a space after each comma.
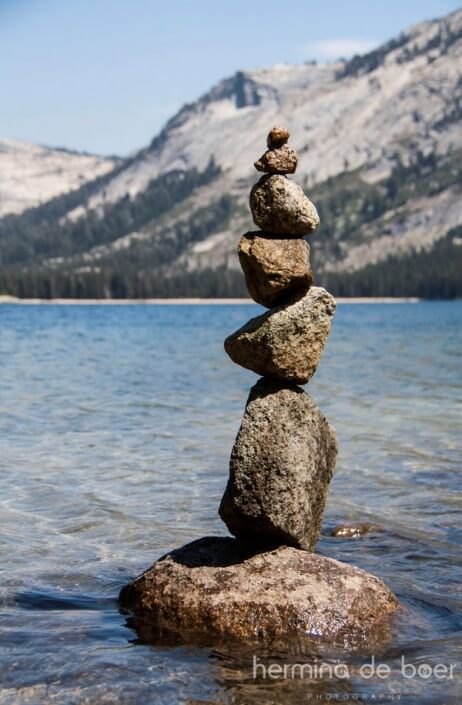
{"points": [[116, 425]]}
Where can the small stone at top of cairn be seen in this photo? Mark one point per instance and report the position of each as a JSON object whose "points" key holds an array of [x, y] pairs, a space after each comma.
{"points": [[279, 157], [277, 137]]}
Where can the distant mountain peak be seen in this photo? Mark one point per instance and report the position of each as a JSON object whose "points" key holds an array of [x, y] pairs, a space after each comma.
{"points": [[31, 174], [379, 139]]}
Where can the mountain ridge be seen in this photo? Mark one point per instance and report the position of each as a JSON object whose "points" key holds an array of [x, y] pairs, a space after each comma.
{"points": [[31, 174], [358, 126]]}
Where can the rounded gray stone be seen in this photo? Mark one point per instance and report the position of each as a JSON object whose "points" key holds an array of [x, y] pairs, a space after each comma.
{"points": [[279, 205]]}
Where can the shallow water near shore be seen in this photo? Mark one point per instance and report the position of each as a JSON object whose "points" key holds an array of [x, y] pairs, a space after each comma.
{"points": [[116, 427]]}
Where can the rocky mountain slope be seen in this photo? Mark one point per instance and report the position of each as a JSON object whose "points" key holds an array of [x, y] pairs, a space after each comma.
{"points": [[379, 140], [31, 174]]}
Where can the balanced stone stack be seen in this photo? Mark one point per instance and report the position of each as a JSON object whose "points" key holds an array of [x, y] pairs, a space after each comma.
{"points": [[285, 452], [266, 585]]}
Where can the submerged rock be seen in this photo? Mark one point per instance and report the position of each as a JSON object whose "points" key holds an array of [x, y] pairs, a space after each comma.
{"points": [[274, 269], [278, 161], [355, 529], [278, 205], [217, 590], [280, 469], [286, 342]]}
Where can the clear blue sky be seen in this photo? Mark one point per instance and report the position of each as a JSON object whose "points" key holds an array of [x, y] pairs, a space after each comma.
{"points": [[104, 75]]}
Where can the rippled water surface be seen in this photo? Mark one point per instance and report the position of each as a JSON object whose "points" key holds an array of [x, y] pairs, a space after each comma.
{"points": [[116, 426]]}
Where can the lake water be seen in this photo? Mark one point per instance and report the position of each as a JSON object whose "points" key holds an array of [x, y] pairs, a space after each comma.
{"points": [[116, 427]]}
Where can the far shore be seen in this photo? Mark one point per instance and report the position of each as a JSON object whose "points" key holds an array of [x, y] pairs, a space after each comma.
{"points": [[190, 300]]}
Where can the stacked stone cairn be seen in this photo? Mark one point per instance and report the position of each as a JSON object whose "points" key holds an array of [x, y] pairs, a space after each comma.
{"points": [[266, 585], [285, 452]]}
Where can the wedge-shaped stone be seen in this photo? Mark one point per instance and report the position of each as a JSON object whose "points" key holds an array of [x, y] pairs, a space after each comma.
{"points": [[286, 342], [280, 469], [275, 269]]}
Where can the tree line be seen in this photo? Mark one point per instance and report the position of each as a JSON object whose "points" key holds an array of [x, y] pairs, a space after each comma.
{"points": [[44, 257]]}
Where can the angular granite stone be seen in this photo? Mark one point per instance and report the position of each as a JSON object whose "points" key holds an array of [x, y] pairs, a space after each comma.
{"points": [[278, 205], [281, 466], [216, 591], [286, 342], [275, 269]]}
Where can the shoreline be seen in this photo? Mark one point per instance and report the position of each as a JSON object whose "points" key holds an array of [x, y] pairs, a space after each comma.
{"points": [[192, 301]]}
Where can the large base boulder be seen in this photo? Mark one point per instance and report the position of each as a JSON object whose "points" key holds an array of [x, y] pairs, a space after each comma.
{"points": [[217, 590], [287, 341], [280, 469]]}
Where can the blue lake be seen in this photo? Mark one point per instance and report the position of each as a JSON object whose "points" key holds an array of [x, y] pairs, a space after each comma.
{"points": [[116, 427]]}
